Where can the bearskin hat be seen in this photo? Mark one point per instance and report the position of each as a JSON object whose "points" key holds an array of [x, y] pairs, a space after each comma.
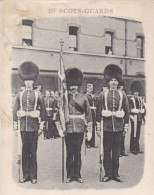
{"points": [[73, 77], [28, 71], [136, 86], [113, 71]]}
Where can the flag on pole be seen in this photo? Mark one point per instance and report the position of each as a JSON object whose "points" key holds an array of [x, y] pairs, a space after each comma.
{"points": [[63, 95], [63, 101]]}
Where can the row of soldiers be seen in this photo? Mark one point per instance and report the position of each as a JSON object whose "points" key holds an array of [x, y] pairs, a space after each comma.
{"points": [[136, 101], [110, 114]]}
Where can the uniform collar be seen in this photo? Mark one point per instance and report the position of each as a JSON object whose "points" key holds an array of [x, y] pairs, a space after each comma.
{"points": [[28, 89], [70, 92], [113, 90]]}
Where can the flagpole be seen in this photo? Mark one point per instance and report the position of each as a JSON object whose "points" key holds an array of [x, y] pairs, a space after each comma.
{"points": [[61, 53]]}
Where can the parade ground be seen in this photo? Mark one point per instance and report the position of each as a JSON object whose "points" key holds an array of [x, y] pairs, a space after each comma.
{"points": [[49, 157]]}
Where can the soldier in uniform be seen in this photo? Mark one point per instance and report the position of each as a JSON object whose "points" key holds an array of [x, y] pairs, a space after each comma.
{"points": [[92, 101], [136, 116], [79, 118], [113, 107], [48, 104], [55, 112], [26, 108]]}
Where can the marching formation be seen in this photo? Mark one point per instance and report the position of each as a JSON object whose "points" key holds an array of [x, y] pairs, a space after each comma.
{"points": [[77, 118]]}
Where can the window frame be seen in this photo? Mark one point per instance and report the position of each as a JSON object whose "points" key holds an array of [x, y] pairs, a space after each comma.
{"points": [[28, 42], [109, 47], [141, 49], [73, 34]]}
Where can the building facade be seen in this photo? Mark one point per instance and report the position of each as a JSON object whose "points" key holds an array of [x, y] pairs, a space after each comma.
{"points": [[90, 44]]}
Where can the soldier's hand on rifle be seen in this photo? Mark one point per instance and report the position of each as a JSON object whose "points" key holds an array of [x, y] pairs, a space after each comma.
{"points": [[98, 129], [88, 136], [15, 127], [125, 129], [60, 129], [89, 131], [41, 128], [39, 132]]}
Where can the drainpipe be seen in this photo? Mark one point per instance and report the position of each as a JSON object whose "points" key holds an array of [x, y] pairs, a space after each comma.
{"points": [[125, 46]]}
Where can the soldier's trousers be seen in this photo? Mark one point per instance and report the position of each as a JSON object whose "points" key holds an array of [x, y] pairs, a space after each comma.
{"points": [[134, 139], [111, 143], [73, 148], [29, 156], [122, 145]]}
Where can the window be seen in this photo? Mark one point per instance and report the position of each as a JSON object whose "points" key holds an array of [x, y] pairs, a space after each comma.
{"points": [[140, 40], [73, 42], [109, 43], [27, 32]]}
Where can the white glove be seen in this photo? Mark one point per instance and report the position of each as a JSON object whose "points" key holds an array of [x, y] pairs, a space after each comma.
{"points": [[42, 125], [15, 128], [132, 117], [142, 111], [15, 125], [89, 127], [125, 129], [98, 129], [39, 132], [60, 129], [88, 136]]}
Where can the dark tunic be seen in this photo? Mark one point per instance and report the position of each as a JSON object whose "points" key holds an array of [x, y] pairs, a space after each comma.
{"points": [[112, 123], [26, 101]]}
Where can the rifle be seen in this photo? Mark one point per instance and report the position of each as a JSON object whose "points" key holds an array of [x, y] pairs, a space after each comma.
{"points": [[19, 151], [135, 124], [101, 152]]}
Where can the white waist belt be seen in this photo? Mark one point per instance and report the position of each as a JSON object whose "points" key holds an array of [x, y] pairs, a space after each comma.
{"points": [[93, 107], [78, 116], [107, 113], [48, 109], [33, 114]]}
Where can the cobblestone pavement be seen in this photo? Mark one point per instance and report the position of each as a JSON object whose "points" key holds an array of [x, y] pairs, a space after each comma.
{"points": [[49, 167]]}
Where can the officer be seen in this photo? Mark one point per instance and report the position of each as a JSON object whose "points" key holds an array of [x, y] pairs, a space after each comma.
{"points": [[79, 118], [113, 107], [92, 101], [26, 108], [137, 111], [48, 104], [122, 144]]}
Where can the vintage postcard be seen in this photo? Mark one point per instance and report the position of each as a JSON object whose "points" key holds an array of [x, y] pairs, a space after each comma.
{"points": [[77, 97]]}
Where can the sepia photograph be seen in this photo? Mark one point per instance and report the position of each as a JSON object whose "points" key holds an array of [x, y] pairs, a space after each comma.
{"points": [[78, 99]]}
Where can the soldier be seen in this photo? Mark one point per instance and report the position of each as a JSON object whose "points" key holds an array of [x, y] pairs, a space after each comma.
{"points": [[92, 101], [26, 108], [79, 118], [136, 116], [122, 144], [48, 104], [113, 107], [55, 112]]}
